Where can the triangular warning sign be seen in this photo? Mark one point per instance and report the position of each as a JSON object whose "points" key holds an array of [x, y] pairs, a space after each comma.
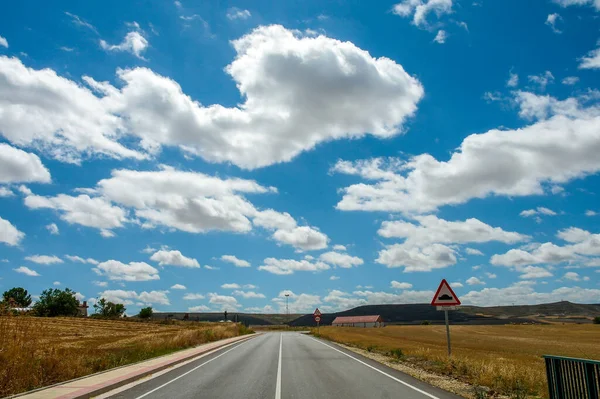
{"points": [[444, 296], [317, 312]]}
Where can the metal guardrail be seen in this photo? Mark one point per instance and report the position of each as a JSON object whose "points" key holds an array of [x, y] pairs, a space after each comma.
{"points": [[570, 378]]}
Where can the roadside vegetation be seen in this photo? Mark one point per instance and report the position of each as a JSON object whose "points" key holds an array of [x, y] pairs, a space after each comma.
{"points": [[40, 347], [494, 359]]}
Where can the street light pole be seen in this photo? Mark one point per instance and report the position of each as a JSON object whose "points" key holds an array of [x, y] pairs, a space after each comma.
{"points": [[287, 309]]}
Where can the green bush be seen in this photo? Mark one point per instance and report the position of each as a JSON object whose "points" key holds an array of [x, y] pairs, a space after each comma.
{"points": [[55, 302], [17, 297], [597, 320], [107, 309], [397, 353], [425, 323]]}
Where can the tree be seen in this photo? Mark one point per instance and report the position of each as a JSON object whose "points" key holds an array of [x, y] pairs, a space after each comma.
{"points": [[146, 313], [225, 314], [18, 296], [55, 302], [597, 320], [105, 308]]}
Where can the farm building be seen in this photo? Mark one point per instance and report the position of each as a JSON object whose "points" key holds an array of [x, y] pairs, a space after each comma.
{"points": [[358, 321]]}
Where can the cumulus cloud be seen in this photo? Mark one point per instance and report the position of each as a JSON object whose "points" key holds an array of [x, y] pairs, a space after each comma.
{"points": [[27, 271], [79, 259], [248, 294], [418, 10], [572, 276], [44, 259], [304, 237], [231, 286], [289, 266], [334, 278], [83, 210], [570, 80], [133, 271], [473, 251], [590, 213], [3, 42], [561, 146], [178, 287], [80, 22], [339, 247], [291, 85], [567, 3], [19, 166], [341, 260], [441, 37], [157, 297], [235, 260], [128, 297], [174, 258], [134, 43], [9, 234], [523, 293], [513, 80], [298, 303], [401, 286], [193, 297], [591, 60], [474, 281], [424, 247], [224, 302], [53, 229], [552, 20], [542, 80], [235, 13]]}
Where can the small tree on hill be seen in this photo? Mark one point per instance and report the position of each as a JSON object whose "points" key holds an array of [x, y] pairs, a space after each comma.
{"points": [[597, 320], [19, 297], [55, 302], [146, 313], [105, 308]]}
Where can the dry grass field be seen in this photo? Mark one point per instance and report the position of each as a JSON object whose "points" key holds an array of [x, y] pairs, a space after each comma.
{"points": [[506, 359], [36, 352]]}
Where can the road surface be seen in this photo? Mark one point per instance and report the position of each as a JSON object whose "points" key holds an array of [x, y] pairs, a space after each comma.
{"points": [[282, 365]]}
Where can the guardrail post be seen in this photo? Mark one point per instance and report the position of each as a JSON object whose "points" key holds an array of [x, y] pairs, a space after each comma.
{"points": [[592, 382], [558, 379]]}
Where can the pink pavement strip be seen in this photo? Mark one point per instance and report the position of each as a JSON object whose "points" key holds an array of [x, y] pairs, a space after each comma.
{"points": [[96, 384]]}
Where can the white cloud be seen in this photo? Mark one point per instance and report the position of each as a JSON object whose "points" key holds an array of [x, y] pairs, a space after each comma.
{"points": [[133, 43], [174, 258], [590, 213], [419, 10], [533, 272], [236, 13], [3, 42], [289, 266], [148, 250], [298, 303], [231, 286], [134, 271], [80, 22], [334, 278], [456, 284], [271, 219], [83, 210], [193, 297], [291, 85], [339, 248], [441, 37], [567, 3], [248, 294], [304, 237], [100, 283], [524, 162], [27, 271], [207, 267], [591, 60], [237, 262], [159, 297], [341, 260], [539, 211], [513, 80], [374, 298], [53, 229], [178, 287], [9, 234], [473, 251], [265, 309], [120, 296], [570, 80], [19, 166], [522, 293], [542, 80], [475, 281], [223, 301], [551, 22], [572, 276], [491, 275], [401, 286], [417, 259], [79, 259], [44, 259], [199, 308], [177, 4], [6, 192]]}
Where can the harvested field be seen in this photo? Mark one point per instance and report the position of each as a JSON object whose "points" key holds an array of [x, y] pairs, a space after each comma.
{"points": [[36, 352], [506, 359]]}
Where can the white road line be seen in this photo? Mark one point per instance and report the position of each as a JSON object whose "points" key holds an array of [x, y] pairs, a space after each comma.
{"points": [[379, 371], [278, 385], [192, 370]]}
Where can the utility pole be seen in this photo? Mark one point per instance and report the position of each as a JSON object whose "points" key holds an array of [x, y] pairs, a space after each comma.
{"points": [[287, 309]]}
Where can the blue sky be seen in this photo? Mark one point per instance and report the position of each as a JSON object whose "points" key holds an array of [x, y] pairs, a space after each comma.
{"points": [[216, 155]]}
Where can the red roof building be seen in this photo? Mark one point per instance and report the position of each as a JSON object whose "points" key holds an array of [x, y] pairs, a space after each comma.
{"points": [[358, 321]]}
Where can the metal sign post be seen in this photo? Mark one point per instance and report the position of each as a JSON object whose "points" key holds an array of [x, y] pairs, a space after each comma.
{"points": [[317, 316], [445, 299]]}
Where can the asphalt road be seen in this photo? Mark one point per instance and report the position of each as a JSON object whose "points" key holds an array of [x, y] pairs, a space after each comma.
{"points": [[283, 365]]}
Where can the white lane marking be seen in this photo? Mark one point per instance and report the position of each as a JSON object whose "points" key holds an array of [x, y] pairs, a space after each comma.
{"points": [[278, 385], [192, 370], [379, 371]]}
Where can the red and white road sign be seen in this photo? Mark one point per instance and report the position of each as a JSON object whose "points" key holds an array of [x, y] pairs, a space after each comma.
{"points": [[317, 312], [444, 296], [317, 319]]}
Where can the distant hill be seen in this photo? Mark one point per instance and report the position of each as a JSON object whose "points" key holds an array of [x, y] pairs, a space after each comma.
{"points": [[254, 319], [417, 313]]}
